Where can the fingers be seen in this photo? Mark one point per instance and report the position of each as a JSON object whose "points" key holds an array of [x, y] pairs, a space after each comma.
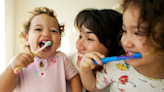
{"points": [[87, 60], [26, 58], [29, 57], [22, 59], [95, 56], [87, 63]]}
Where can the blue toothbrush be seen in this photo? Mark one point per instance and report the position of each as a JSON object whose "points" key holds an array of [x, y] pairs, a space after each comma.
{"points": [[117, 58]]}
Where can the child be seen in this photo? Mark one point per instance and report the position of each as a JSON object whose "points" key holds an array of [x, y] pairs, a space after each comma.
{"points": [[48, 71], [143, 32]]}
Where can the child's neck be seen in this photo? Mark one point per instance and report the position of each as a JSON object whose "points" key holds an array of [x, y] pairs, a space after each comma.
{"points": [[155, 70]]}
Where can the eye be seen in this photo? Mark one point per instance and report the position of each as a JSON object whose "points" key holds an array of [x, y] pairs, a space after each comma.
{"points": [[123, 31], [53, 31], [90, 39], [136, 33], [38, 29], [80, 36]]}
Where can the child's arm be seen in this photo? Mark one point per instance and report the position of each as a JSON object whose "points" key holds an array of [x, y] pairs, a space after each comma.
{"points": [[86, 65], [8, 79], [75, 83]]}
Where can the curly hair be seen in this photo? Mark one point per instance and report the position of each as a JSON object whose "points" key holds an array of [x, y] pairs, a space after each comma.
{"points": [[151, 13], [27, 20]]}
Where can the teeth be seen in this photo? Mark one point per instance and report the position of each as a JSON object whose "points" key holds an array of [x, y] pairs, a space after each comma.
{"points": [[130, 53], [80, 55], [44, 41]]}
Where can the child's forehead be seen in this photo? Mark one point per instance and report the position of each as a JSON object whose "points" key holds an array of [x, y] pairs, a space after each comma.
{"points": [[44, 16], [132, 16], [44, 19], [133, 10]]}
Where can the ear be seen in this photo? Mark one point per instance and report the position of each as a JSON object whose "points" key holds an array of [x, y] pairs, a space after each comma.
{"points": [[26, 39], [60, 41]]}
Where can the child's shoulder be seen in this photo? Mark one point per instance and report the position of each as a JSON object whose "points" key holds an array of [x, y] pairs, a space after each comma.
{"points": [[60, 53]]}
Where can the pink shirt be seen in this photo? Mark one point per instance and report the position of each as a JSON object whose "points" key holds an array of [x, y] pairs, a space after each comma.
{"points": [[50, 78]]}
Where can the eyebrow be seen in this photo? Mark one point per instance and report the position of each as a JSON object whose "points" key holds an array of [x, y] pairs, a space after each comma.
{"points": [[130, 26], [36, 25], [41, 25], [142, 27], [87, 32]]}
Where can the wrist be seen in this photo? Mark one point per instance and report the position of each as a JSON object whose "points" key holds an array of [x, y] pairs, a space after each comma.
{"points": [[10, 71]]}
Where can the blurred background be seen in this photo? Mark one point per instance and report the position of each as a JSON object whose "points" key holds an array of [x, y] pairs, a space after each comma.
{"points": [[13, 11]]}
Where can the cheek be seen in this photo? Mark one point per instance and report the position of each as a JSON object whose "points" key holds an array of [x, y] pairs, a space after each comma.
{"points": [[104, 50], [98, 48], [58, 41], [78, 43], [33, 43], [141, 46], [91, 48], [122, 39]]}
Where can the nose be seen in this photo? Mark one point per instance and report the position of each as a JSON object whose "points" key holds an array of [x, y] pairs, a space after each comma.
{"points": [[80, 44], [46, 33], [127, 41]]}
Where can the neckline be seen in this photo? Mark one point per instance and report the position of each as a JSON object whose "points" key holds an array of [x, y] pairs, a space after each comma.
{"points": [[142, 77], [48, 59]]}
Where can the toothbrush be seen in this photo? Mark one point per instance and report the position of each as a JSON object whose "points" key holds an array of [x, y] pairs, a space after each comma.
{"points": [[19, 68], [117, 58], [48, 43]]}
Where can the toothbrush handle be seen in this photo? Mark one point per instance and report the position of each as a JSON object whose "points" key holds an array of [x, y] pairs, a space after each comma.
{"points": [[107, 59], [19, 68], [36, 53], [117, 58]]}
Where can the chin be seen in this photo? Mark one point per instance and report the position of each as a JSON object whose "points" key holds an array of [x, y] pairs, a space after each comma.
{"points": [[45, 56], [133, 63]]}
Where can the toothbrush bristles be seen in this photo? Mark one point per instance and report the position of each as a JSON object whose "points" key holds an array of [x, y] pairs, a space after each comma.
{"points": [[48, 43]]}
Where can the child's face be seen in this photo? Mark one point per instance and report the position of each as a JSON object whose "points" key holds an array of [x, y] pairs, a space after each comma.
{"points": [[88, 42], [43, 28], [134, 43]]}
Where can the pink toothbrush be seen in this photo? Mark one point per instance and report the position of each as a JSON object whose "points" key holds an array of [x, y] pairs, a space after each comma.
{"points": [[19, 68]]}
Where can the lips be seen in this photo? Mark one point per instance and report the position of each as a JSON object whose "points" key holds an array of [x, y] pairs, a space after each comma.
{"points": [[130, 53], [79, 58], [80, 55], [42, 43]]}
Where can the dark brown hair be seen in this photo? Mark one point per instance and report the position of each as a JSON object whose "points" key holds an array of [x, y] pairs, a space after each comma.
{"points": [[105, 24], [151, 13]]}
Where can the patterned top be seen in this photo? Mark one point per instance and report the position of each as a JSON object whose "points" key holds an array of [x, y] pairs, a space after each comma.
{"points": [[124, 78], [73, 58], [48, 78]]}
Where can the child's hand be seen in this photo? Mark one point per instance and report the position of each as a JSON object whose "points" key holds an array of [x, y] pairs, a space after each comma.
{"points": [[87, 63], [22, 59]]}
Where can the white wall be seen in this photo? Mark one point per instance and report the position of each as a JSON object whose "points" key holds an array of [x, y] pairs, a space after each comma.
{"points": [[66, 11], [9, 29]]}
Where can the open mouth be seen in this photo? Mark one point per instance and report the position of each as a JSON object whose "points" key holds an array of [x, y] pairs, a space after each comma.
{"points": [[130, 53], [42, 43], [80, 56]]}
